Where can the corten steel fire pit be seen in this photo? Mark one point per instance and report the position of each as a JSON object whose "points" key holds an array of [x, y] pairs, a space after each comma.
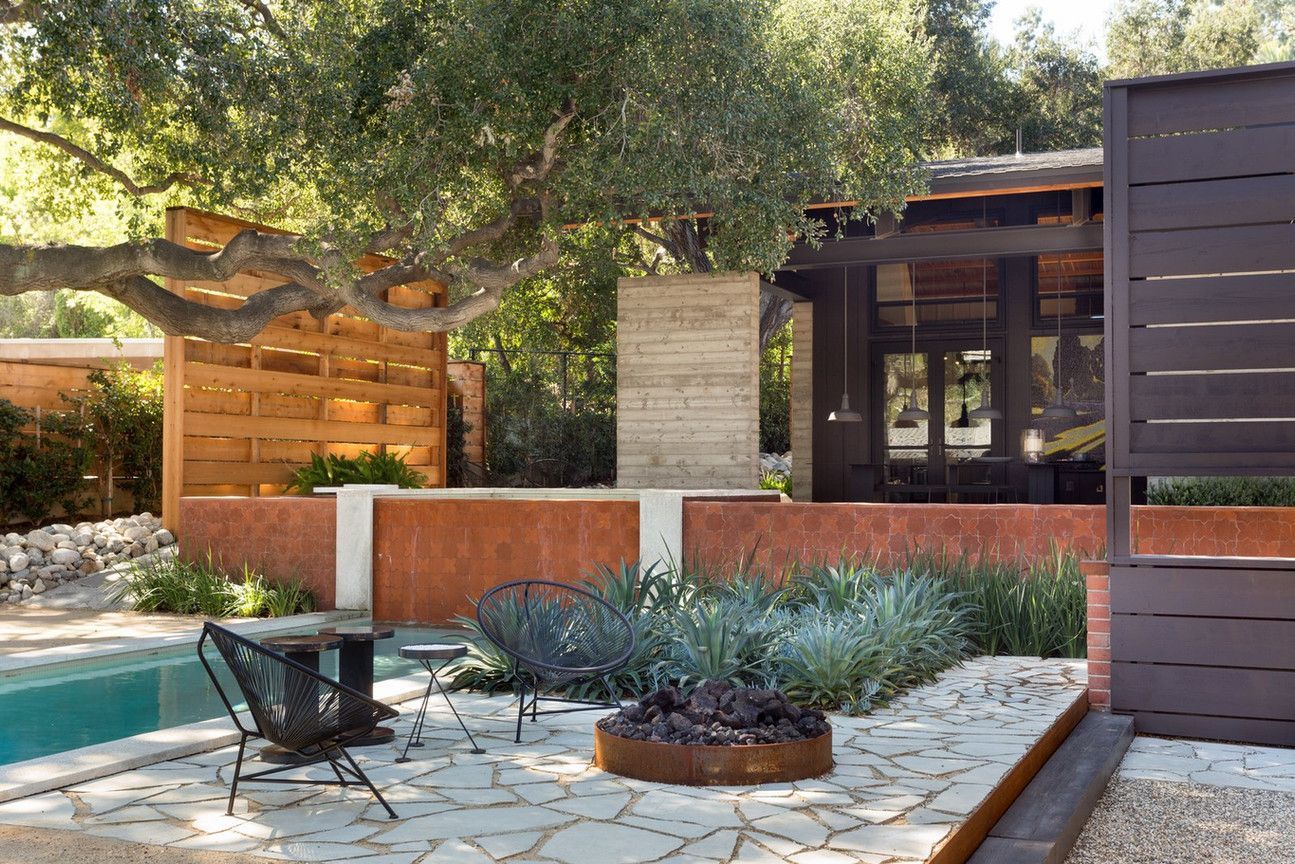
{"points": [[712, 764], [721, 735]]}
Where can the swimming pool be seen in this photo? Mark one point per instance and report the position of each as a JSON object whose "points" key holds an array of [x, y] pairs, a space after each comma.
{"points": [[43, 712]]}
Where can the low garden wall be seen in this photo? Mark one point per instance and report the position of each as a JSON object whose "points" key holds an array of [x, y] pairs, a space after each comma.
{"points": [[775, 536], [285, 537], [431, 556]]}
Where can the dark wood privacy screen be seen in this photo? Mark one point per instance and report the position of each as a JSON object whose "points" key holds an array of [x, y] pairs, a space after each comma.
{"points": [[1200, 300]]}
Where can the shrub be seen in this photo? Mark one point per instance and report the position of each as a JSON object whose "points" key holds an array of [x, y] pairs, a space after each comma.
{"points": [[124, 408], [368, 467], [456, 431], [1040, 610], [203, 588], [776, 481], [1223, 492], [40, 472]]}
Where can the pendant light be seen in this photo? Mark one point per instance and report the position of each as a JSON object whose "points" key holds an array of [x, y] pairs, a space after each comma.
{"points": [[912, 413], [845, 414], [1059, 410], [986, 410]]}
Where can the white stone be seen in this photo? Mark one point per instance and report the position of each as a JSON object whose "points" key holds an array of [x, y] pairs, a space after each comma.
{"points": [[466, 822], [41, 540], [904, 841], [607, 844], [65, 556]]}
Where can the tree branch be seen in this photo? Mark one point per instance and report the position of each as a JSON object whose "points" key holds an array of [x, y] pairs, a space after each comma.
{"points": [[179, 316], [267, 17], [93, 162]]}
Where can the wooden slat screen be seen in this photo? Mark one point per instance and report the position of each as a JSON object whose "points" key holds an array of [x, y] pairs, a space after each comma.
{"points": [[241, 418], [1200, 338], [468, 385]]}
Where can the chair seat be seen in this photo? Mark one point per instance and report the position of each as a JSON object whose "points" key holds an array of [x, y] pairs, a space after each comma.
{"points": [[433, 651]]}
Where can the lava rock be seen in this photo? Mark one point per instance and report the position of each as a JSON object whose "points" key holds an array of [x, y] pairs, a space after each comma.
{"points": [[716, 713]]}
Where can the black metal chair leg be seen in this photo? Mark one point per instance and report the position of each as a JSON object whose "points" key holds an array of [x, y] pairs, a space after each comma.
{"points": [[238, 767], [521, 712], [367, 782]]}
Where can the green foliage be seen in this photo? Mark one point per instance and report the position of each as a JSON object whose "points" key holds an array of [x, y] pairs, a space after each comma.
{"points": [[38, 473], [776, 481], [368, 467], [775, 393], [124, 408], [1223, 492], [1036, 611], [456, 430], [1154, 37], [534, 439], [204, 588]]}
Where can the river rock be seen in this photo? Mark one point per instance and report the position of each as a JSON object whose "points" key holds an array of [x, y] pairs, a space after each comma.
{"points": [[41, 540], [137, 533], [38, 587], [164, 537], [65, 556]]}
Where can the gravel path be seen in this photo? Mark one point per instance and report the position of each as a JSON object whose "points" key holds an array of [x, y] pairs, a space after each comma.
{"points": [[39, 846], [1157, 822]]}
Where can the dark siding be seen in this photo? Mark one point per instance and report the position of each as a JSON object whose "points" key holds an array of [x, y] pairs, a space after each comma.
{"points": [[1200, 185]]}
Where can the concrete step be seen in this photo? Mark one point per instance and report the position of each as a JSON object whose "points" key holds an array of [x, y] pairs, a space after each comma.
{"points": [[1044, 822]]}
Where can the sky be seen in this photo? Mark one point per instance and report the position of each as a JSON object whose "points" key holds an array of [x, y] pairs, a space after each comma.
{"points": [[1088, 17]]}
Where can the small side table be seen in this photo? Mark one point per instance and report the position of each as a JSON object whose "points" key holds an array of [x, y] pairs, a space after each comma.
{"points": [[355, 669], [305, 649], [428, 655]]}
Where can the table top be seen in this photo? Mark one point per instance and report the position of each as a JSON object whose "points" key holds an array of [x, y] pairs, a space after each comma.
{"points": [[433, 651], [303, 642], [360, 632]]}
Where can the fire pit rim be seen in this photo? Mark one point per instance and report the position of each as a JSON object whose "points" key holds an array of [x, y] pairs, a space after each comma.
{"points": [[713, 764]]}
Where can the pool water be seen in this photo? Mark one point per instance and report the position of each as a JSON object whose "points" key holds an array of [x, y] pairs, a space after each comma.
{"points": [[47, 712]]}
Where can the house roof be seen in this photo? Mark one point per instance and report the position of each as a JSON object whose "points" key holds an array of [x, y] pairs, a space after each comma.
{"points": [[984, 174]]}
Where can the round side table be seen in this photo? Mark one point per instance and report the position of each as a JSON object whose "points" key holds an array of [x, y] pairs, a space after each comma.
{"points": [[355, 669], [305, 649], [442, 655]]}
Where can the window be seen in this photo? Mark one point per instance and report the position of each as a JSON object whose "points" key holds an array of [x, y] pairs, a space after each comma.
{"points": [[1070, 282], [1082, 385], [947, 291]]}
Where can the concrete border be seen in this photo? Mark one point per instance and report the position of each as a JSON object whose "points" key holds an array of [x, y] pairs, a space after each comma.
{"points": [[60, 770], [47, 659]]}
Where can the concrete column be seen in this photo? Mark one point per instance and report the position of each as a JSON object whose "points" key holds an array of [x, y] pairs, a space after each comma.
{"points": [[354, 584], [660, 527], [802, 402]]}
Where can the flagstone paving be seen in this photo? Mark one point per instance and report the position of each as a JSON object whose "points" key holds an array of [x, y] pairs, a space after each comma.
{"points": [[905, 776], [1210, 763]]}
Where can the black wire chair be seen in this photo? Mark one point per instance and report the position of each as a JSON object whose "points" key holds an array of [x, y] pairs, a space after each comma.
{"points": [[296, 708], [558, 635]]}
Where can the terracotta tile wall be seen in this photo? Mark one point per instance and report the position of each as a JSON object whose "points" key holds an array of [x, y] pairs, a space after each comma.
{"points": [[431, 556], [286, 537], [1098, 576], [777, 535]]}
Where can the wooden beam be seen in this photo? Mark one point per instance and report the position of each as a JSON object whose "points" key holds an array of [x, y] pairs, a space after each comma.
{"points": [[1014, 241], [173, 395]]}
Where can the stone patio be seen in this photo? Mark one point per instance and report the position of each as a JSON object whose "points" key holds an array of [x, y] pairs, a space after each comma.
{"points": [[905, 777]]}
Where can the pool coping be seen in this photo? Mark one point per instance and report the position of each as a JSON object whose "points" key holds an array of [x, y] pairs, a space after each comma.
{"points": [[59, 770], [46, 659]]}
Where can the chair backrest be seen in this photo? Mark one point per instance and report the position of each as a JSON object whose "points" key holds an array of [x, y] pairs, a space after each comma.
{"points": [[559, 632], [293, 705]]}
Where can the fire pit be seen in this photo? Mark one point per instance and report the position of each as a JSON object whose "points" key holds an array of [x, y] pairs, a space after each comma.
{"points": [[720, 736]]}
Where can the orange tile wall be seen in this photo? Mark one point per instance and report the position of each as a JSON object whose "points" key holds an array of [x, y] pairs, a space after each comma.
{"points": [[775, 536], [285, 537], [431, 556]]}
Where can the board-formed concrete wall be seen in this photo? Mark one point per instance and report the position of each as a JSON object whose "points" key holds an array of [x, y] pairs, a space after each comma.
{"points": [[802, 402], [688, 382]]}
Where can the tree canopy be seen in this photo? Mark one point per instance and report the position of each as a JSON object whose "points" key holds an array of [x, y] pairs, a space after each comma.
{"points": [[457, 137]]}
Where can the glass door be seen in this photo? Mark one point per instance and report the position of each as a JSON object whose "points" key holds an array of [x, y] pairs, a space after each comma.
{"points": [[924, 457]]}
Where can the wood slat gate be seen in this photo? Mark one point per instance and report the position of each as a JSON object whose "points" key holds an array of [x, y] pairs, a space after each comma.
{"points": [[241, 418], [1200, 341]]}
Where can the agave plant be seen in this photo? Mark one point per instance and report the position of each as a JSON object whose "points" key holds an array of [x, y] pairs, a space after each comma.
{"points": [[828, 662], [833, 588]]}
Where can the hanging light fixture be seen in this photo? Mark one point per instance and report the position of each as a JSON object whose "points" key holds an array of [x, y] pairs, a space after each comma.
{"points": [[912, 413], [986, 410], [845, 414], [1059, 410]]}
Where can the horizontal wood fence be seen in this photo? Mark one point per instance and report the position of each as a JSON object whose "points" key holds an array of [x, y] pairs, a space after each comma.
{"points": [[1200, 257], [468, 390], [242, 418]]}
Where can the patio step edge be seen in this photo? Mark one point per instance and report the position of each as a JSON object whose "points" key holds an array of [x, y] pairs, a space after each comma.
{"points": [[1043, 823]]}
